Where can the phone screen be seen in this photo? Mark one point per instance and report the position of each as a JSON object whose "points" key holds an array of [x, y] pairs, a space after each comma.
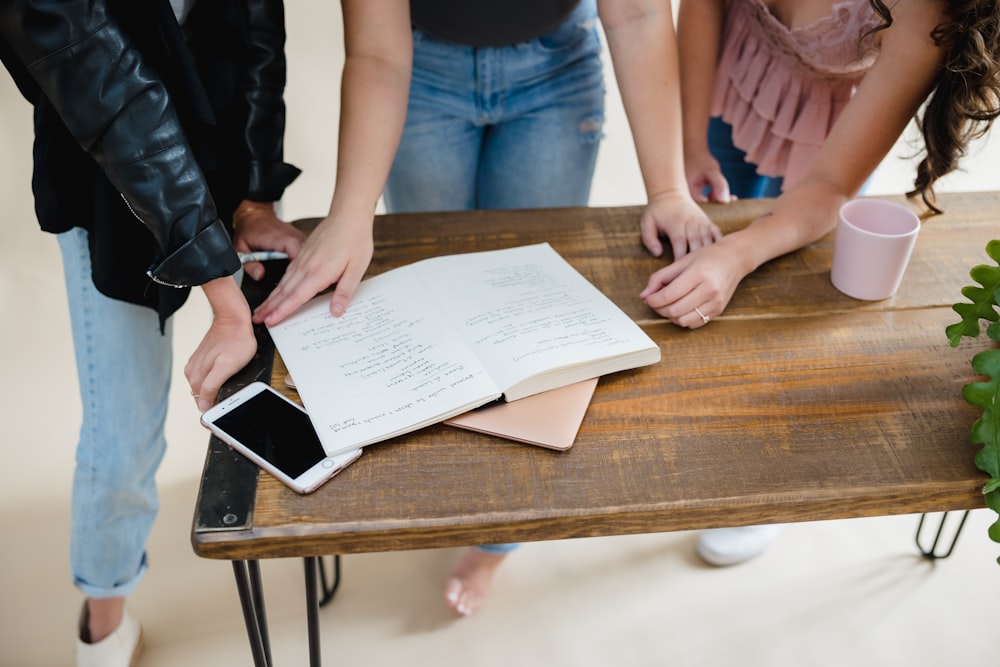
{"points": [[277, 431]]}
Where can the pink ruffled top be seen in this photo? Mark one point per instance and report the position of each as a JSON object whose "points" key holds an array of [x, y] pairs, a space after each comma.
{"points": [[781, 89]]}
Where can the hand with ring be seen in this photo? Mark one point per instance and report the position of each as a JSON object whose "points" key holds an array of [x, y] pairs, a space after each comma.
{"points": [[697, 287]]}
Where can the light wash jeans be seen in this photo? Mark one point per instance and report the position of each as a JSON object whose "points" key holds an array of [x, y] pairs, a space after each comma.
{"points": [[502, 127], [123, 364]]}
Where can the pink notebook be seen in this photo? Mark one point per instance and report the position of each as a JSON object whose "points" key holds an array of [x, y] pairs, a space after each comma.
{"points": [[550, 419]]}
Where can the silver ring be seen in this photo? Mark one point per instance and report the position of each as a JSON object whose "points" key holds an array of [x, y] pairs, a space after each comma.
{"points": [[704, 318]]}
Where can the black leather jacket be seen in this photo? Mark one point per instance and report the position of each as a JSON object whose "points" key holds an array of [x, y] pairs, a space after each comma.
{"points": [[178, 122]]}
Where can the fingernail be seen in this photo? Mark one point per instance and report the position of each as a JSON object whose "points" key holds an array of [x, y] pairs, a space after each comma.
{"points": [[337, 309], [203, 404]]}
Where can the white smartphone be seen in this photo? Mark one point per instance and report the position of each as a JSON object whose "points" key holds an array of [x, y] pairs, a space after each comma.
{"points": [[276, 434]]}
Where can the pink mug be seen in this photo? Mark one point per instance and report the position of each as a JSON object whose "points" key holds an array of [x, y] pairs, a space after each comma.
{"points": [[872, 248]]}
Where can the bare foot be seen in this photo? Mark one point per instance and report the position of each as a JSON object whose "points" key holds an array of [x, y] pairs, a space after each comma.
{"points": [[470, 581]]}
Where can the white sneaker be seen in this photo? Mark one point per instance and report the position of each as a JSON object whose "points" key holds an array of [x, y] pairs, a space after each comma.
{"points": [[730, 546], [119, 649]]}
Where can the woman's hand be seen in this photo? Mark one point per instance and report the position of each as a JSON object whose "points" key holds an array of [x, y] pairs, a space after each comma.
{"points": [[698, 287], [677, 217], [337, 252], [704, 173], [227, 347], [694, 289], [256, 227]]}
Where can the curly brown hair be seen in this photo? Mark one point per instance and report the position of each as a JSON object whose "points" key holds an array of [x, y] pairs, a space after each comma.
{"points": [[966, 96]]}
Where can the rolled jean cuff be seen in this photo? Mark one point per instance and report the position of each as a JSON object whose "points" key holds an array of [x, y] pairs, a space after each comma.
{"points": [[122, 590]]}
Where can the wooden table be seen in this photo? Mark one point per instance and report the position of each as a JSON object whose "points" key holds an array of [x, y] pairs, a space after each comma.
{"points": [[798, 403]]}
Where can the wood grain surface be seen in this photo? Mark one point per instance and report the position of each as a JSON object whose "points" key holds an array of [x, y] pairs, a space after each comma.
{"points": [[798, 403]]}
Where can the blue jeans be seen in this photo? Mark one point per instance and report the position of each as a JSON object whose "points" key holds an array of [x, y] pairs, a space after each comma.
{"points": [[744, 181], [502, 127], [123, 365]]}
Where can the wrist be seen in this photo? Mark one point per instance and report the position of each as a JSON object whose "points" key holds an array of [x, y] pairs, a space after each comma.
{"points": [[248, 208], [756, 244], [248, 205], [352, 208], [672, 192], [695, 149], [227, 301]]}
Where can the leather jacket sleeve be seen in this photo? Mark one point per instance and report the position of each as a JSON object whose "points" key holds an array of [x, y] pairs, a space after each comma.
{"points": [[264, 95], [119, 112]]}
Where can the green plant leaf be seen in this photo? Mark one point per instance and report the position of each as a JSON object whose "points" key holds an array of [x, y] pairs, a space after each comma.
{"points": [[985, 431], [993, 331], [993, 502], [983, 299]]}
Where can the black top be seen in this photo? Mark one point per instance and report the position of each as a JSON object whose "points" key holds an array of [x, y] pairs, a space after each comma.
{"points": [[489, 22]]}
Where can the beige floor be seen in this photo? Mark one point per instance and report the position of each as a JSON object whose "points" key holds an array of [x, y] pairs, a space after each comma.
{"points": [[831, 593]]}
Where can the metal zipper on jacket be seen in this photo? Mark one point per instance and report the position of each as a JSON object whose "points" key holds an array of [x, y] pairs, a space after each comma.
{"points": [[149, 272]]}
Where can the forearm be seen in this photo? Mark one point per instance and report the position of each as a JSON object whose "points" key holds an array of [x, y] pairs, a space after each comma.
{"points": [[227, 301], [800, 216], [699, 38], [375, 89], [373, 110], [643, 49]]}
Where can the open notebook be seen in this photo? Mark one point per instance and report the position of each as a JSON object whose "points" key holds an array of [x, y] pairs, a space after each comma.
{"points": [[434, 339]]}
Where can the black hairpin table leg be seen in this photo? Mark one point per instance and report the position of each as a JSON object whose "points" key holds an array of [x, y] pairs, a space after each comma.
{"points": [[329, 588], [252, 600], [312, 608], [932, 553], [318, 593]]}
